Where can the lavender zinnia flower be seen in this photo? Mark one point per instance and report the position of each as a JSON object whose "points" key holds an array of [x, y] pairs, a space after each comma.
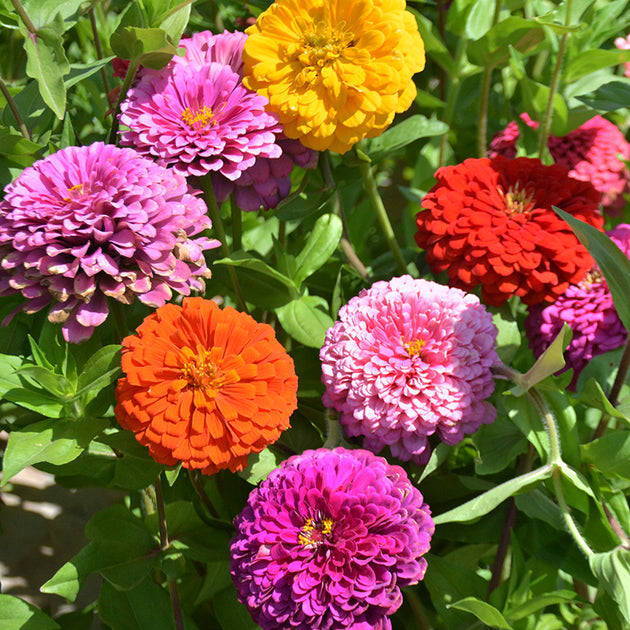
{"points": [[589, 310], [87, 223], [408, 358], [196, 116], [328, 540]]}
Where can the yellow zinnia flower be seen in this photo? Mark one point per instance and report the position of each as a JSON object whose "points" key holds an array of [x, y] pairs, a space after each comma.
{"points": [[334, 71]]}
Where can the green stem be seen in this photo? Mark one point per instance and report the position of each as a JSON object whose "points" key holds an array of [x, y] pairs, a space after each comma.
{"points": [[545, 126], [131, 72], [335, 435], [544, 413], [14, 110], [201, 493], [381, 213], [164, 543], [237, 225], [613, 397], [97, 46], [482, 126], [17, 5], [346, 244], [217, 224]]}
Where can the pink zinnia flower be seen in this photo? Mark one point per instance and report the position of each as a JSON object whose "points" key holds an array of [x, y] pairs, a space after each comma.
{"points": [[590, 153], [327, 541], [196, 116], [589, 310], [409, 358], [623, 43], [88, 223]]}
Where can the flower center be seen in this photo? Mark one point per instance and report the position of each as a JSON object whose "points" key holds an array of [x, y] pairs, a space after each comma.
{"points": [[315, 531], [75, 192], [200, 119], [517, 200], [414, 347], [594, 276], [202, 370]]}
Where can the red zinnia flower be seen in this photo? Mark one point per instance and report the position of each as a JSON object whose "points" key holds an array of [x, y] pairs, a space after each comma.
{"points": [[205, 386], [490, 222]]}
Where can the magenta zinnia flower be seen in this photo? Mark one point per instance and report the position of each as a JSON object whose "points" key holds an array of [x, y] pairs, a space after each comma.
{"points": [[196, 116], [408, 358], [590, 153], [328, 540], [589, 310], [87, 223]]}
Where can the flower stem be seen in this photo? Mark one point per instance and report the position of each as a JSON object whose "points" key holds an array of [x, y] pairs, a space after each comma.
{"points": [[613, 397], [217, 224], [381, 213], [482, 127], [237, 225], [97, 46], [131, 72], [346, 244], [201, 493], [17, 5], [335, 435], [14, 110], [545, 125], [164, 543]]}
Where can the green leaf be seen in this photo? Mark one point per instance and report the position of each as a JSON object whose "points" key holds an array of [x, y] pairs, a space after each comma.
{"points": [[438, 456], [487, 614], [37, 401], [498, 444], [80, 71], [47, 63], [592, 60], [435, 48], [174, 22], [610, 454], [487, 501], [534, 604], [548, 363], [305, 320], [259, 465], [608, 97], [613, 263], [16, 614], [535, 98], [55, 384], [593, 395], [508, 337], [9, 379], [231, 614], [479, 20], [150, 47], [54, 441], [101, 369], [404, 133], [612, 569], [538, 505], [492, 49], [321, 243]]}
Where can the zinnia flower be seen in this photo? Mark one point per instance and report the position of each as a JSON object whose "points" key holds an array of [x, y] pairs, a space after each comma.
{"points": [[328, 540], [88, 223], [590, 153], [409, 358], [196, 116], [589, 310], [205, 386], [623, 43], [335, 71], [490, 222]]}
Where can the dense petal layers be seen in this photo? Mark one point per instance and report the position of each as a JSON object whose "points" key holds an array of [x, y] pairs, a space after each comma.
{"points": [[327, 541], [588, 308], [490, 223], [205, 386], [334, 71], [407, 359], [590, 153], [88, 223]]}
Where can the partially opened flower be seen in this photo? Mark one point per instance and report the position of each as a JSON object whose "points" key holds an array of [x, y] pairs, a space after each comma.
{"points": [[407, 359], [588, 308], [196, 116], [335, 71], [88, 223], [594, 152], [205, 386], [490, 223], [328, 540]]}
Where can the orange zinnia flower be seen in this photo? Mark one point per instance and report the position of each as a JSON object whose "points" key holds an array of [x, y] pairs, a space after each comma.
{"points": [[205, 386]]}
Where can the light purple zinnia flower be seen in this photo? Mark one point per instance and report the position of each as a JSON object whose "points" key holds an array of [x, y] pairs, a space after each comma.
{"points": [[589, 310], [87, 223], [327, 541], [408, 358], [196, 116]]}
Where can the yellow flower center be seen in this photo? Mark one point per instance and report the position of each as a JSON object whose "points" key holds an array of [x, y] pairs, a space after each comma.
{"points": [[414, 347], [200, 119], [74, 192], [517, 200], [203, 370], [315, 531]]}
